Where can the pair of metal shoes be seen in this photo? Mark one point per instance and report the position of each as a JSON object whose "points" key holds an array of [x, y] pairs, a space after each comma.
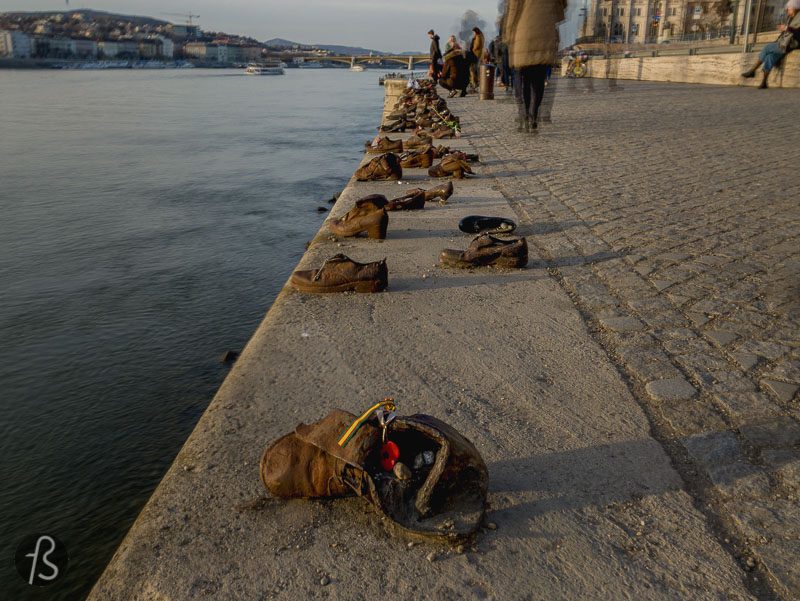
{"points": [[368, 216], [424, 478], [452, 166], [384, 167], [486, 250]]}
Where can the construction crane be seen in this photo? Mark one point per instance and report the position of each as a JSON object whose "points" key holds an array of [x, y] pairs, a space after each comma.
{"points": [[187, 16]]}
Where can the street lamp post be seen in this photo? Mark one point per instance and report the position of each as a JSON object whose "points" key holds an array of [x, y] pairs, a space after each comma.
{"points": [[746, 26], [733, 21]]}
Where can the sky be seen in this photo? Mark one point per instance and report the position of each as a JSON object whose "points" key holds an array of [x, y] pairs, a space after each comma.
{"points": [[386, 25]]}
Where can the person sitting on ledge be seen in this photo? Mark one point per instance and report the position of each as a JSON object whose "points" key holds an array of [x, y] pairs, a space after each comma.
{"points": [[772, 54]]}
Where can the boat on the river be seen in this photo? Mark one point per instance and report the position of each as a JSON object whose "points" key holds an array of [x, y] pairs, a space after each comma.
{"points": [[357, 69], [255, 69]]}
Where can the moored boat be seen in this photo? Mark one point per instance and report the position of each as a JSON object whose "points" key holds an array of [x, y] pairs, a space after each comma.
{"points": [[255, 69]]}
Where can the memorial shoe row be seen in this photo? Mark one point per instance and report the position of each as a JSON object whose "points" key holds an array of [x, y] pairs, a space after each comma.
{"points": [[369, 216], [423, 477]]}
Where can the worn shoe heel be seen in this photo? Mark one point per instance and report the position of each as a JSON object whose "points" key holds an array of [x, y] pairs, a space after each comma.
{"points": [[512, 262], [378, 231], [369, 286]]}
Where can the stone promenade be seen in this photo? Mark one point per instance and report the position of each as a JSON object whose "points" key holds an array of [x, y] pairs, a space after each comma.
{"points": [[671, 216], [633, 391]]}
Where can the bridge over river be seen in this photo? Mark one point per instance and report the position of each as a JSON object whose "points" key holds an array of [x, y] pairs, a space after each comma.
{"points": [[410, 60]]}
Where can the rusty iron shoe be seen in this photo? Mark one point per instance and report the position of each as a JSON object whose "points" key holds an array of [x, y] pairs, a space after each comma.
{"points": [[383, 144], [342, 274], [384, 167], [438, 496], [451, 166], [486, 250], [421, 159], [366, 218], [412, 200], [443, 192]]}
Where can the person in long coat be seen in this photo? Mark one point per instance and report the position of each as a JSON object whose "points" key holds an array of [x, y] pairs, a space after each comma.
{"points": [[531, 29], [476, 54], [435, 56]]}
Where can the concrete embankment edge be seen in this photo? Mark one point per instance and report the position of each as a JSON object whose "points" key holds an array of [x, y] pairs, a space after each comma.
{"points": [[501, 355]]}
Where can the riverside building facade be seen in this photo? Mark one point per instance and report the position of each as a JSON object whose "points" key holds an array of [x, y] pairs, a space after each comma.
{"points": [[656, 21], [15, 44]]}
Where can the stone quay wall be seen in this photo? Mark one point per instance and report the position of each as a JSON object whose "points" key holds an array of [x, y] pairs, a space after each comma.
{"points": [[715, 69]]}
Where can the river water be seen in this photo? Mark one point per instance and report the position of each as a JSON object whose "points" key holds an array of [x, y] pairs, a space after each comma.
{"points": [[149, 219]]}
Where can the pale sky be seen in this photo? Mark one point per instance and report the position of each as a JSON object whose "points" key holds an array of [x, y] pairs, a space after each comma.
{"points": [[388, 25]]}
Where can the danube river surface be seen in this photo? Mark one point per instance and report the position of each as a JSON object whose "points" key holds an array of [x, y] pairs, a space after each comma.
{"points": [[149, 219]]}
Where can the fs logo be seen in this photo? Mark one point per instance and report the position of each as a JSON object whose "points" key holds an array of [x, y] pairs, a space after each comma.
{"points": [[41, 559]]}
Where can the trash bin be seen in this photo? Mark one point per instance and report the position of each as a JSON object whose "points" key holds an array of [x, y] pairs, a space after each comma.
{"points": [[487, 81]]}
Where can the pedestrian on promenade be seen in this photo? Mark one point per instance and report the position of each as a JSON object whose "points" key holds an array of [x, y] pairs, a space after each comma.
{"points": [[772, 54], [455, 75], [531, 29], [452, 42], [476, 54], [435, 56]]}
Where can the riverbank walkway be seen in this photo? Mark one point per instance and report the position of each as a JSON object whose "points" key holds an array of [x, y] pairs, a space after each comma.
{"points": [[634, 391]]}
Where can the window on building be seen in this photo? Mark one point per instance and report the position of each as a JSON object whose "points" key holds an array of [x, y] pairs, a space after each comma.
{"points": [[638, 12], [605, 12], [673, 12]]}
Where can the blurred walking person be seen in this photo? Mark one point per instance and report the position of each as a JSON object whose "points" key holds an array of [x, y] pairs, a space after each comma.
{"points": [[435, 56], [531, 29]]}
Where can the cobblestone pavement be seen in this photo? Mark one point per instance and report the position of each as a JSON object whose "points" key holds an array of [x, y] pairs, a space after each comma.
{"points": [[669, 213]]}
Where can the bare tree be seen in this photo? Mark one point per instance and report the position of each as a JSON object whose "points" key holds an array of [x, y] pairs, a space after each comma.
{"points": [[501, 9], [469, 20]]}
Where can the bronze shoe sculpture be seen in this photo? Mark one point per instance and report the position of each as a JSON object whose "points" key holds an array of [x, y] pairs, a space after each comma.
{"points": [[342, 274], [451, 166], [418, 140], [383, 144], [427, 480], [486, 250], [441, 151], [417, 159], [365, 218], [384, 167], [443, 132], [372, 202], [398, 125], [443, 192], [412, 200]]}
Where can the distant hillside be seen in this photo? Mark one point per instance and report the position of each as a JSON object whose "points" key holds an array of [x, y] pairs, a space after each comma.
{"points": [[281, 43], [91, 14]]}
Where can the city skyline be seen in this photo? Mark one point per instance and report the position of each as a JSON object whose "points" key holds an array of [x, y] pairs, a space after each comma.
{"points": [[348, 22]]}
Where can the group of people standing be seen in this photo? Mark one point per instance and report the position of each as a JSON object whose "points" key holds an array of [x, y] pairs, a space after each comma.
{"points": [[525, 50], [456, 69]]}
